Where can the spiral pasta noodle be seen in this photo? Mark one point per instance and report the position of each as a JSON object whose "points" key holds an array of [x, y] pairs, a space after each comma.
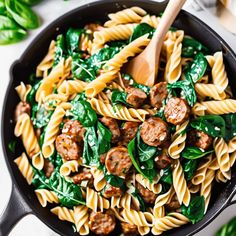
{"points": [[69, 167], [122, 202], [23, 90], [81, 217], [99, 179], [44, 196], [151, 20], [25, 129], [25, 168], [64, 213]]}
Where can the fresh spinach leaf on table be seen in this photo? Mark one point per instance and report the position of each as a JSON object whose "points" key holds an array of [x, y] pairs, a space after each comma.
{"points": [[22, 14], [190, 47], [195, 210], [214, 125], [228, 229], [193, 153], [10, 32]]}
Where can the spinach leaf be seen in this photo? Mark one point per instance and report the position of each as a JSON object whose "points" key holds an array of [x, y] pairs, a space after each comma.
{"points": [[146, 168], [115, 181], [12, 146], [2, 7], [191, 47], [140, 199], [40, 116], [144, 151], [117, 43], [228, 229], [167, 176], [146, 89], [119, 97], [56, 160], [10, 32], [30, 2], [72, 40], [82, 111], [104, 138], [141, 30], [195, 210], [68, 193], [60, 51], [213, 125], [39, 180], [31, 95], [22, 14], [41, 138], [189, 167], [230, 126], [193, 153], [187, 90], [197, 68]]}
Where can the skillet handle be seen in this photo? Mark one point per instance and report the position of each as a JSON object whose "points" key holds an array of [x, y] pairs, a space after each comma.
{"points": [[16, 209]]}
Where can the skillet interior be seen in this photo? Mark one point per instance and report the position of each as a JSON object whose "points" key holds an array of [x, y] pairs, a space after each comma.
{"points": [[25, 66]]}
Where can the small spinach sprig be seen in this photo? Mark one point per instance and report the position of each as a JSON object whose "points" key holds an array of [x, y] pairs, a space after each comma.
{"points": [[141, 30], [193, 153], [189, 168]]}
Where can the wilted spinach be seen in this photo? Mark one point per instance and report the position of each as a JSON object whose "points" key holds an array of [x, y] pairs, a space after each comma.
{"points": [[189, 167], [12, 146], [60, 50], [197, 68], [190, 47], [193, 153], [214, 125], [31, 95], [104, 138], [68, 193], [22, 14], [115, 181], [195, 210], [167, 176], [72, 39], [10, 32], [119, 97], [230, 126], [39, 180], [141, 30], [136, 194], [228, 229], [56, 160], [81, 110]]}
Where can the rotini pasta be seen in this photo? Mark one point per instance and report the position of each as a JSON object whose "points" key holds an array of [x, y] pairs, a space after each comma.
{"points": [[69, 167], [44, 196], [23, 90], [81, 217]]}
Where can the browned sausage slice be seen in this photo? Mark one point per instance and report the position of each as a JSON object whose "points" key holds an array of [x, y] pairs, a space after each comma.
{"points": [[112, 125], [67, 147], [101, 223], [154, 131], [157, 94], [147, 195], [83, 176], [176, 111], [163, 160], [74, 129], [128, 229], [199, 139], [128, 132], [173, 205], [118, 161], [48, 168], [22, 107], [112, 191], [135, 96]]}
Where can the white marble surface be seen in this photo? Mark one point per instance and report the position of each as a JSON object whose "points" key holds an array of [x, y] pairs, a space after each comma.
{"points": [[50, 10]]}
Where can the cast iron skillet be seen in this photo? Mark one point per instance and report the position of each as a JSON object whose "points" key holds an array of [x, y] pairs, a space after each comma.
{"points": [[23, 200]]}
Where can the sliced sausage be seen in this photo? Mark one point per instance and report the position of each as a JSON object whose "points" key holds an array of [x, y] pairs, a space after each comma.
{"points": [[67, 147], [112, 125], [128, 229], [74, 129], [48, 168], [176, 111], [112, 191], [147, 195], [199, 139], [83, 176], [135, 96], [118, 161], [22, 107], [128, 132], [163, 160], [101, 223], [154, 131], [157, 94], [173, 205]]}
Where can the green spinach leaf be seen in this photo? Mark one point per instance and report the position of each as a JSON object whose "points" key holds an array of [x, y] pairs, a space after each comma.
{"points": [[115, 181], [31, 95], [104, 138], [119, 97], [12, 146], [39, 180], [56, 160], [190, 47], [82, 111], [72, 40], [141, 30], [195, 211], [135, 194], [30, 2], [193, 153], [167, 176], [189, 167], [230, 126], [68, 193], [214, 125], [22, 14], [60, 51], [228, 229], [2, 7], [197, 68]]}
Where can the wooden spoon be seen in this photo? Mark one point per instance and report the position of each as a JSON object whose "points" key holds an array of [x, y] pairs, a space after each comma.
{"points": [[144, 67]]}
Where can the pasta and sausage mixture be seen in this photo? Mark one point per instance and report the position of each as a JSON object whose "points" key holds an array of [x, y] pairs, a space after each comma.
{"points": [[105, 152]]}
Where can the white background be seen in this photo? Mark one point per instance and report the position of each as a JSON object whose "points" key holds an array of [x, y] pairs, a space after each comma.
{"points": [[48, 11]]}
